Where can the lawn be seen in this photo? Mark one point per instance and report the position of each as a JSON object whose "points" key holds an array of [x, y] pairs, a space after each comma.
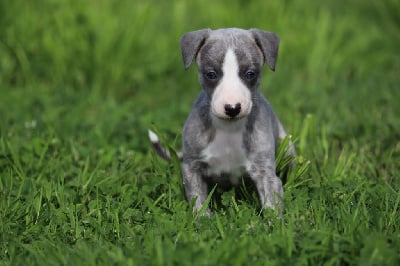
{"points": [[82, 81]]}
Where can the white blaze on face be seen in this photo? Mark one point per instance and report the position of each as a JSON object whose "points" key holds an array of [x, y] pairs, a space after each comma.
{"points": [[231, 89]]}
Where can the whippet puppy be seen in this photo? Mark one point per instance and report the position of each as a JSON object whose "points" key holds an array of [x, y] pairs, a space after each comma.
{"points": [[232, 131]]}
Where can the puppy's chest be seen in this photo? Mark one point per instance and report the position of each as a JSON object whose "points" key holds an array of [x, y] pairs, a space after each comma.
{"points": [[226, 157]]}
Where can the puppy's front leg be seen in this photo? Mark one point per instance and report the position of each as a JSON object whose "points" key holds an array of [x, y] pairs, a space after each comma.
{"points": [[195, 186], [269, 186]]}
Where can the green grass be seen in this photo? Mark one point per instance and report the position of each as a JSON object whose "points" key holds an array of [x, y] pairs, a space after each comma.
{"points": [[82, 81]]}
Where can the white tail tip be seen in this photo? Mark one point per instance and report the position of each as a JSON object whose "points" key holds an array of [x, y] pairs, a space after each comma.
{"points": [[153, 137]]}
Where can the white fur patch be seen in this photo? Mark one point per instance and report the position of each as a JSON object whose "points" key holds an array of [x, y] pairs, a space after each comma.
{"points": [[231, 89], [153, 137], [226, 154]]}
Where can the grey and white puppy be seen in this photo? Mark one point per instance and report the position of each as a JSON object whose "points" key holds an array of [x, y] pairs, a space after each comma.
{"points": [[232, 131]]}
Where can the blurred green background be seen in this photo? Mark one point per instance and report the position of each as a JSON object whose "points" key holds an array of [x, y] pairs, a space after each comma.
{"points": [[338, 60]]}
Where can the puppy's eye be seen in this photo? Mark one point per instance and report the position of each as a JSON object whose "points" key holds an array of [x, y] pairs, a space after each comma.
{"points": [[250, 75], [211, 75]]}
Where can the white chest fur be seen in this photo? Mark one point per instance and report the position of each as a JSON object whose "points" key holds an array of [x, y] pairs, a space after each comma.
{"points": [[226, 155]]}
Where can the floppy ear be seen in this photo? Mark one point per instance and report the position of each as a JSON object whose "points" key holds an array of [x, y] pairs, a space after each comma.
{"points": [[269, 45], [191, 43]]}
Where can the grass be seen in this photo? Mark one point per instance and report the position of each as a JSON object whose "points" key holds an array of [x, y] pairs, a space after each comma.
{"points": [[81, 81]]}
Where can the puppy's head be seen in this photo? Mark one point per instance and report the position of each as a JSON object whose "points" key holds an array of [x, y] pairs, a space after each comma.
{"points": [[229, 64]]}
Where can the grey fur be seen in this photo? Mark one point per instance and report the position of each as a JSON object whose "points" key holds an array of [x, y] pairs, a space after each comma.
{"points": [[191, 43], [261, 129], [269, 44]]}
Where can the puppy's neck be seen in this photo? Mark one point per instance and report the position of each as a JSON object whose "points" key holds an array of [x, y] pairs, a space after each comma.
{"points": [[229, 125]]}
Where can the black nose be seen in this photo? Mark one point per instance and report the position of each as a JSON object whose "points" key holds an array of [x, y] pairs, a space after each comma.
{"points": [[232, 110]]}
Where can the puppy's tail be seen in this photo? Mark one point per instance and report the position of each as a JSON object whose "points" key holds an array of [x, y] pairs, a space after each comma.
{"points": [[159, 148]]}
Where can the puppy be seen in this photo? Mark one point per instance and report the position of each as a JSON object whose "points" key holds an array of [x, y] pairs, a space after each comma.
{"points": [[232, 131]]}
